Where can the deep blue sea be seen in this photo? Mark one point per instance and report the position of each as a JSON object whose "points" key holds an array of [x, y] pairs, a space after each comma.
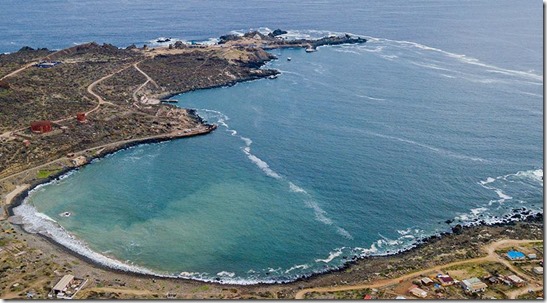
{"points": [[352, 150]]}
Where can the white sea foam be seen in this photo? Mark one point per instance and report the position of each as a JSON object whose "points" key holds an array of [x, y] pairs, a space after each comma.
{"points": [[35, 222], [533, 178], [403, 232], [320, 214], [296, 189], [301, 266], [332, 255], [262, 165], [370, 98], [432, 148], [226, 274]]}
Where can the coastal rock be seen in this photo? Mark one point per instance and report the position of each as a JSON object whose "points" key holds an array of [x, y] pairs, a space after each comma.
{"points": [[277, 32], [179, 44], [26, 49], [230, 37], [457, 229]]}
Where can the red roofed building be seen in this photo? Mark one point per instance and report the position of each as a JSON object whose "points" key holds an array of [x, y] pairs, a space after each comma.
{"points": [[40, 127], [80, 117], [367, 297], [445, 280]]}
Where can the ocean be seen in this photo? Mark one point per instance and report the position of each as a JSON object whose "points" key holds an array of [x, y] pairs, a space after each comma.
{"points": [[353, 150]]}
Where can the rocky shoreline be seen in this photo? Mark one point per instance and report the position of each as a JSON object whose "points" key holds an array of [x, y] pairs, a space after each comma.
{"points": [[250, 72]]}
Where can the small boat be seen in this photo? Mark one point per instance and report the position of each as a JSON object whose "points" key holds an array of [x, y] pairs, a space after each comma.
{"points": [[162, 40], [289, 59], [272, 76], [310, 50]]}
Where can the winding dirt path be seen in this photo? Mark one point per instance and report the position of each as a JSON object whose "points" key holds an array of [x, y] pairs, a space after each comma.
{"points": [[490, 249], [99, 98], [15, 72]]}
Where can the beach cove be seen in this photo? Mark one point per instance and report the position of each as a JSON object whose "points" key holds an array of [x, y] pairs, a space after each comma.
{"points": [[305, 156]]}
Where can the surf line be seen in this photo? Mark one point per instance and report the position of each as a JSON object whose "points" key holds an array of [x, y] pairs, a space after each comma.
{"points": [[320, 214]]}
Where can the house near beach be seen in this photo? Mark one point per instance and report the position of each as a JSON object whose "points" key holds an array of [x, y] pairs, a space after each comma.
{"points": [[445, 280], [417, 292], [426, 281], [67, 287], [473, 285], [514, 255], [516, 280]]}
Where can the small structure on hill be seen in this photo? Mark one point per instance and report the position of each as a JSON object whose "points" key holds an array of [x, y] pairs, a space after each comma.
{"points": [[538, 270], [473, 285], [81, 117], [47, 64], [514, 255], [41, 127]]}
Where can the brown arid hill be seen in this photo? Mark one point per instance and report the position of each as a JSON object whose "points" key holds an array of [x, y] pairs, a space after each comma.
{"points": [[118, 90]]}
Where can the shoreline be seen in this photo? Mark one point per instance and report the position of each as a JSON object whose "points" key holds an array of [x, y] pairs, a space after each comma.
{"points": [[18, 199]]}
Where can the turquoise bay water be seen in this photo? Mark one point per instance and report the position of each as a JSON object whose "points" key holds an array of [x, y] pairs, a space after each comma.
{"points": [[352, 150]]}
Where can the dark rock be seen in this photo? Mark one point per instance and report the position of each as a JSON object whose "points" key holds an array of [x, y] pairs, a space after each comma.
{"points": [[179, 44], [449, 221], [277, 32], [229, 37], [26, 49], [132, 46], [457, 229]]}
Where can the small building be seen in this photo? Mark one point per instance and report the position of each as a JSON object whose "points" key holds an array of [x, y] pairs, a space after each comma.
{"points": [[514, 255], [367, 297], [79, 161], [426, 281], [538, 270], [400, 298], [47, 64], [532, 256], [445, 280], [41, 127], [473, 285], [516, 280], [67, 287], [417, 292], [81, 117]]}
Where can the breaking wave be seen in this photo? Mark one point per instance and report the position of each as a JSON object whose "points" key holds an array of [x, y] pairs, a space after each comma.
{"points": [[320, 214]]}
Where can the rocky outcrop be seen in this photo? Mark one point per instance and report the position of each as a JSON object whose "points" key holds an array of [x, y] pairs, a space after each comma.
{"points": [[336, 40], [277, 32]]}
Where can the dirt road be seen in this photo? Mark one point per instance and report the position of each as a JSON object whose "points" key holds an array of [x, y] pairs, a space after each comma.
{"points": [[490, 249]]}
